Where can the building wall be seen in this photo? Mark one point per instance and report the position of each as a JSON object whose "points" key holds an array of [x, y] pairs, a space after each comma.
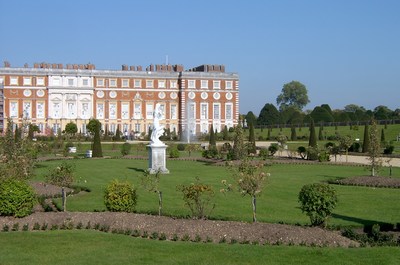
{"points": [[51, 96]]}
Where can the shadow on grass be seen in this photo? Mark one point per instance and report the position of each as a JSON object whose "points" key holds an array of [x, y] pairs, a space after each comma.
{"points": [[41, 166], [137, 169], [366, 223]]}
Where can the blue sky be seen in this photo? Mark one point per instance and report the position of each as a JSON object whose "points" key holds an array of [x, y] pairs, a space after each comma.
{"points": [[343, 51]]}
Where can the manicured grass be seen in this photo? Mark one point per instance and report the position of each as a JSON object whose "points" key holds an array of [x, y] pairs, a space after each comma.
{"points": [[357, 206], [93, 247]]}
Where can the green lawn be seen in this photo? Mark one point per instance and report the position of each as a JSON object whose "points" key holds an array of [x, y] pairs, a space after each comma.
{"points": [[278, 203], [93, 247]]}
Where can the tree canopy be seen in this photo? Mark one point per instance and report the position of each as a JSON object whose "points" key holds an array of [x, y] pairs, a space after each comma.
{"points": [[293, 94], [269, 115]]}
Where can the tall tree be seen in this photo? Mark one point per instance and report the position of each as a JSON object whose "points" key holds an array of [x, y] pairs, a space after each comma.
{"points": [[212, 141], [269, 115], [382, 113], [293, 135], [383, 139], [293, 94], [313, 138], [365, 147], [320, 135], [321, 114], [239, 150], [94, 127], [251, 118], [225, 134], [375, 149], [252, 140]]}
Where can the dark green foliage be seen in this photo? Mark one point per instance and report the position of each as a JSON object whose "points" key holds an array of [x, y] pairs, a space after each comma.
{"points": [[366, 142], [321, 114], [126, 149], [17, 198], [225, 134], [239, 149], [388, 150], [252, 140], [383, 139], [62, 175], [94, 127], [173, 153], [251, 118], [212, 141], [198, 196], [293, 135], [71, 128], [181, 147], [120, 197], [273, 148], [312, 139], [293, 94], [264, 153], [302, 152], [317, 201], [269, 115], [320, 134], [117, 136]]}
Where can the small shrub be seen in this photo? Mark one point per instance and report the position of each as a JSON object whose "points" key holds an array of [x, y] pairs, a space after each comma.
{"points": [[263, 153], [302, 152], [126, 149], [197, 238], [105, 228], [222, 240], [180, 147], [324, 156], [54, 227], [145, 234], [79, 225], [15, 227], [162, 237], [185, 237], [233, 241], [6, 228], [17, 198], [318, 201], [120, 197], [175, 237], [36, 226], [197, 197], [44, 227], [273, 148], [173, 153], [88, 225], [96, 226], [154, 235], [25, 227], [388, 150], [135, 233], [209, 240]]}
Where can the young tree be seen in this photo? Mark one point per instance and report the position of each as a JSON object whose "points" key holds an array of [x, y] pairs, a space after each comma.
{"points": [[383, 140], [344, 143], [71, 129], [63, 176], [375, 149], [212, 141], [366, 144], [151, 183], [250, 179], [293, 94], [320, 135], [293, 135]]}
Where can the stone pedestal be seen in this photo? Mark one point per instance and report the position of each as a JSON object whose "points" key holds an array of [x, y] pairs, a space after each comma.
{"points": [[157, 159]]}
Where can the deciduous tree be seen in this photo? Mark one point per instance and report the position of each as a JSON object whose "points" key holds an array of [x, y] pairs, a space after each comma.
{"points": [[293, 94]]}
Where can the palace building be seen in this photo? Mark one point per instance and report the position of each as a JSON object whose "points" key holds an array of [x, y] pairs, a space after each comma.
{"points": [[51, 95]]}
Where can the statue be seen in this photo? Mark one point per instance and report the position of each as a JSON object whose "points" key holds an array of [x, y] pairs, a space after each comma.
{"points": [[158, 129]]}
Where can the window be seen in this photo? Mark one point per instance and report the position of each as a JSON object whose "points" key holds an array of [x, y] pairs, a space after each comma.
{"points": [[100, 82], [40, 81], [13, 109], [27, 110], [204, 83], [113, 82], [217, 111], [138, 83], [125, 110], [85, 82], [70, 82], [100, 110], [149, 83], [228, 84], [161, 83], [204, 111], [228, 111], [125, 82], [85, 110], [56, 82], [137, 127], [14, 80], [40, 110], [112, 111], [173, 84], [216, 84], [27, 81], [137, 111], [192, 111], [191, 84], [149, 111], [1, 80], [56, 110], [112, 128], [174, 114]]}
